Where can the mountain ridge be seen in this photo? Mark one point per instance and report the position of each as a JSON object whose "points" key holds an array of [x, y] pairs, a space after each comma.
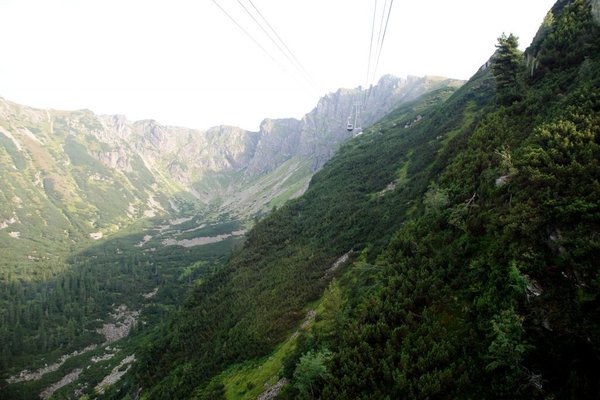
{"points": [[96, 174]]}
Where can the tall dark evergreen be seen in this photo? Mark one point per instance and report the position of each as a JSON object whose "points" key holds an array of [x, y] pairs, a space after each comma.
{"points": [[506, 66]]}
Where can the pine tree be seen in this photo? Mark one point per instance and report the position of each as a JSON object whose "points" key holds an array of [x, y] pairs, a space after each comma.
{"points": [[507, 62]]}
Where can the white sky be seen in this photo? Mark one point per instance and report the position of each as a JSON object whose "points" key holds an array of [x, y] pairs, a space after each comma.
{"points": [[183, 62]]}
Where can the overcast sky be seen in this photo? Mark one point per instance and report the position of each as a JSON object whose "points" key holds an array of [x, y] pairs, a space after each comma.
{"points": [[184, 62]]}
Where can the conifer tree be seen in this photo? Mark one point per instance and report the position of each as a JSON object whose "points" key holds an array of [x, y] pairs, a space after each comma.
{"points": [[506, 67]]}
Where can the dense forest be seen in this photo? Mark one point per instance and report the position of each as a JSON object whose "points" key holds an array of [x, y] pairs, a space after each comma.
{"points": [[471, 225], [42, 320]]}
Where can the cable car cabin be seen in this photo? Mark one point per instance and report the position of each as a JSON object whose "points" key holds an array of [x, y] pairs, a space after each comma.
{"points": [[349, 127]]}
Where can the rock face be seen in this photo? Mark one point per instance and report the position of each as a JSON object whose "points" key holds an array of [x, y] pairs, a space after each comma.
{"points": [[319, 133], [190, 156]]}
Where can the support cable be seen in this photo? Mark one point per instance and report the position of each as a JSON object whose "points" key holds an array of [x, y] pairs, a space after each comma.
{"points": [[291, 53], [383, 37], [367, 85], [249, 35]]}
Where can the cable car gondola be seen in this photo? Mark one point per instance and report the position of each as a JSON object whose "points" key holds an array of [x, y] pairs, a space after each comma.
{"points": [[356, 125]]}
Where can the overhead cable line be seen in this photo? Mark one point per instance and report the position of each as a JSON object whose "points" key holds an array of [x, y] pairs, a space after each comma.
{"points": [[369, 62], [289, 55], [383, 37], [295, 61], [373, 62], [375, 57], [371, 44], [379, 34], [249, 35], [265, 32]]}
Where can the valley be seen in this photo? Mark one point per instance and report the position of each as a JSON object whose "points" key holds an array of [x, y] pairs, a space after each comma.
{"points": [[107, 224], [447, 250]]}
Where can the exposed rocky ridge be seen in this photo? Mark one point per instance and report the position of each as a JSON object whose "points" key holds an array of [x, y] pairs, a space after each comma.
{"points": [[320, 132], [189, 155]]}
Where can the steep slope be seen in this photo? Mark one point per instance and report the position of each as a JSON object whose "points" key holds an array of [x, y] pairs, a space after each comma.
{"points": [[473, 233], [493, 291], [61, 184], [249, 306]]}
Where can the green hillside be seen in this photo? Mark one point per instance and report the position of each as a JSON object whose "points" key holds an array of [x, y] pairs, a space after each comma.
{"points": [[470, 232], [105, 224], [283, 262]]}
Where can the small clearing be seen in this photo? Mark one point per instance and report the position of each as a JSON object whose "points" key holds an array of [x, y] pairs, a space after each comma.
{"points": [[10, 221], [96, 235], [131, 210], [103, 357], [179, 221], [14, 235], [144, 241], [338, 263], [194, 229], [390, 187], [170, 227], [17, 201], [154, 207], [310, 317], [151, 294]]}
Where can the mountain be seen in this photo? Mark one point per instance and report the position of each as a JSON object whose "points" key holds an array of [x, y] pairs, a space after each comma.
{"points": [[67, 176], [352, 206], [448, 252], [105, 224]]}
